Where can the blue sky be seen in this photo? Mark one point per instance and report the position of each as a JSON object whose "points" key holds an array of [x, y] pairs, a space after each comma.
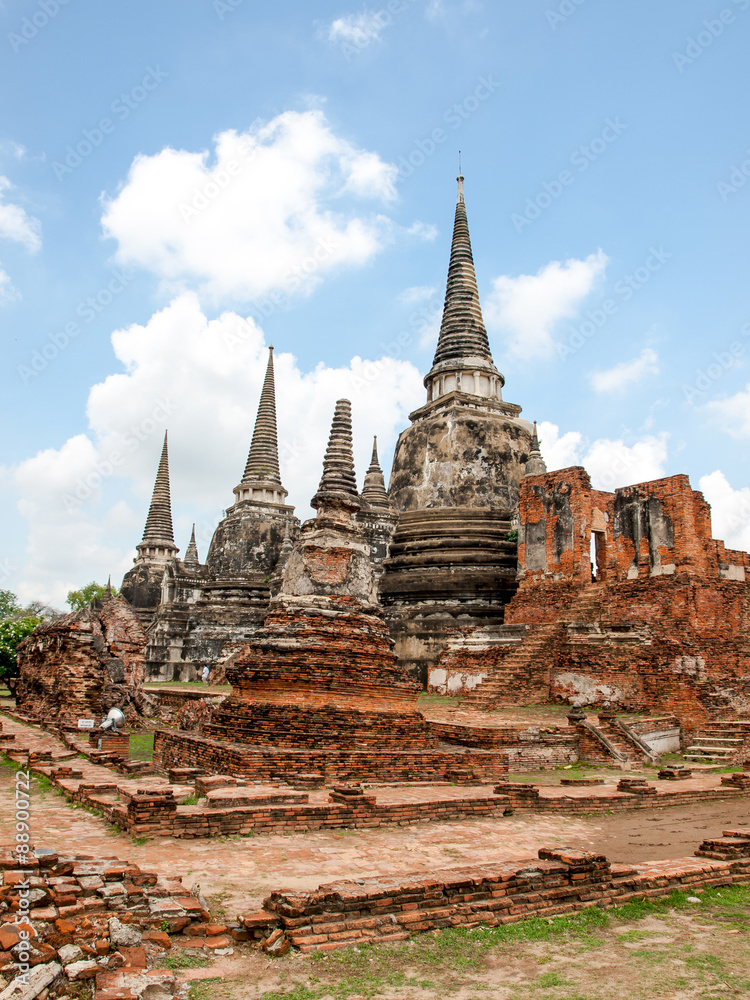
{"points": [[182, 184]]}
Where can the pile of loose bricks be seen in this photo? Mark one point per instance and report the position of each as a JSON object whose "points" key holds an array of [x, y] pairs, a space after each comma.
{"points": [[79, 918], [385, 909]]}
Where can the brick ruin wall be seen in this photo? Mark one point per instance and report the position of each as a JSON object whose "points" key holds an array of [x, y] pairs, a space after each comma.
{"points": [[85, 663], [666, 625]]}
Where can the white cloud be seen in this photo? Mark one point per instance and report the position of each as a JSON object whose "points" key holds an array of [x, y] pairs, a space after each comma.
{"points": [[202, 378], [8, 292], [614, 463], [358, 29], [730, 510], [270, 210], [16, 224], [733, 413], [10, 148], [527, 308], [417, 294], [609, 463], [623, 374], [559, 450]]}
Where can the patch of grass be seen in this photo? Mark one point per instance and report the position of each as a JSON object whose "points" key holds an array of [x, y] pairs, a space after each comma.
{"points": [[139, 841], [204, 989], [705, 963], [180, 960], [549, 979], [191, 800], [5, 761], [634, 935], [142, 746], [298, 992], [436, 699]]}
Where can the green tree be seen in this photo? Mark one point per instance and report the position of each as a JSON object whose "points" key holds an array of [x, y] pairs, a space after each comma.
{"points": [[9, 606], [79, 599], [12, 631]]}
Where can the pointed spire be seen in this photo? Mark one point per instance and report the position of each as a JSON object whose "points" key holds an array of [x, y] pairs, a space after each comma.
{"points": [[108, 588], [338, 483], [261, 480], [191, 552], [263, 458], [462, 331], [374, 491], [536, 466], [158, 530], [463, 360]]}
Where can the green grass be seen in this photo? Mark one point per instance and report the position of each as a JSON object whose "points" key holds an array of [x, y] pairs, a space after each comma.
{"points": [[203, 989], [191, 800], [179, 960], [5, 761], [549, 979], [142, 746], [426, 698]]}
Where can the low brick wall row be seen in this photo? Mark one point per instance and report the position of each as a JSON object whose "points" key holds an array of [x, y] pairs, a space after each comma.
{"points": [[271, 765], [524, 796], [159, 815], [527, 748], [385, 909]]}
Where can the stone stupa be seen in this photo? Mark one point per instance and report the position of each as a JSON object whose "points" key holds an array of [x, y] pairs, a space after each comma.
{"points": [[318, 690]]}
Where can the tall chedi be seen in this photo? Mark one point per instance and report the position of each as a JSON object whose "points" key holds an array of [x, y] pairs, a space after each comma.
{"points": [[208, 611], [249, 538], [321, 674], [455, 482], [142, 585]]}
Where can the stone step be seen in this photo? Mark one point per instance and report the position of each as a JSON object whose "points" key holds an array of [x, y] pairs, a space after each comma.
{"points": [[702, 748], [705, 758], [727, 741]]}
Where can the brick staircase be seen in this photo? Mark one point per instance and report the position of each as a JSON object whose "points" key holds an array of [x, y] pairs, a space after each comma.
{"points": [[524, 672], [721, 742], [618, 738]]}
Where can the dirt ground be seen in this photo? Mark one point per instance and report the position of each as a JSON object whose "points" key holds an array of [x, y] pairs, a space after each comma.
{"points": [[663, 959]]}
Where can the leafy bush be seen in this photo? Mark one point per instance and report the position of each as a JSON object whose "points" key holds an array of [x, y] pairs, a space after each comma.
{"points": [[12, 631]]}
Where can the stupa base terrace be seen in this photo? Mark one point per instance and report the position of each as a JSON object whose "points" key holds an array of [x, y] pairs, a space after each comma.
{"points": [[317, 767]]}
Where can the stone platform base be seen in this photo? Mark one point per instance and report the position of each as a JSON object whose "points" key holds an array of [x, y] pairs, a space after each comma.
{"points": [[270, 764]]}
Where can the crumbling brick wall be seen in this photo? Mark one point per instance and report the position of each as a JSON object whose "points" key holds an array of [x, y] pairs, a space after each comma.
{"points": [[664, 626], [83, 664]]}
